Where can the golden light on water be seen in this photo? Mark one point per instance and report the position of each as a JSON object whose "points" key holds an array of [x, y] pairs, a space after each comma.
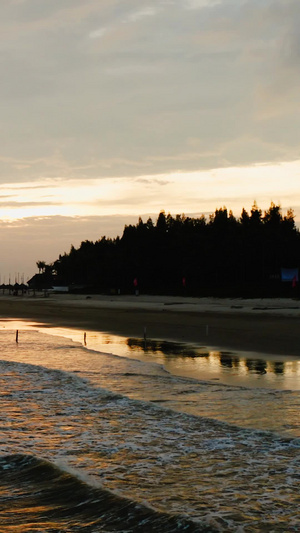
{"points": [[235, 368]]}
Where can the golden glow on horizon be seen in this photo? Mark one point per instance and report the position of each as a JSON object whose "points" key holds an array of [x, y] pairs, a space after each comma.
{"points": [[181, 192]]}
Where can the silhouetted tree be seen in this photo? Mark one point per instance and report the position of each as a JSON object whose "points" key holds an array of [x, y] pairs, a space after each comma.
{"points": [[41, 266], [221, 256]]}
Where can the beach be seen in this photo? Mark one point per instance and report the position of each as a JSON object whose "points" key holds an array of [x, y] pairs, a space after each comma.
{"points": [[260, 325], [91, 433]]}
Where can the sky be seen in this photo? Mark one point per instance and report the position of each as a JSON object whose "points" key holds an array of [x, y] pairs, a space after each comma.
{"points": [[118, 109]]}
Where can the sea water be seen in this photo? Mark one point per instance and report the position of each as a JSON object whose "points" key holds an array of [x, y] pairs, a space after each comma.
{"points": [[93, 441]]}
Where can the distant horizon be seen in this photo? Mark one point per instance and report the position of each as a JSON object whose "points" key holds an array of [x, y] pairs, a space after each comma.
{"points": [[115, 110], [71, 231]]}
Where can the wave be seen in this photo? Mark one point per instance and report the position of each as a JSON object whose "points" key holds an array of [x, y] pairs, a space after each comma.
{"points": [[37, 495]]}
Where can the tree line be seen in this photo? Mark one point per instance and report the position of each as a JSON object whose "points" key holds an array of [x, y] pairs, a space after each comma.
{"points": [[216, 256]]}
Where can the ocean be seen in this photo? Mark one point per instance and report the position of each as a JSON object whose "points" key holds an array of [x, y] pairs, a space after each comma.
{"points": [[100, 433]]}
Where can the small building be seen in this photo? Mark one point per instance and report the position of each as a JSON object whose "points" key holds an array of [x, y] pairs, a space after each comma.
{"points": [[59, 289]]}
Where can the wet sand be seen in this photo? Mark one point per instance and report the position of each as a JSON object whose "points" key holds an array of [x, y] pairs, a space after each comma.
{"points": [[269, 326]]}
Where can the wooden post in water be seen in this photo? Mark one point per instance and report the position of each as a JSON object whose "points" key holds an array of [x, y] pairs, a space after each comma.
{"points": [[84, 339], [145, 337], [17, 336]]}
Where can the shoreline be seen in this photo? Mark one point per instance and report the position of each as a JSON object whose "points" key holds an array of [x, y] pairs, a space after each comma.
{"points": [[264, 325]]}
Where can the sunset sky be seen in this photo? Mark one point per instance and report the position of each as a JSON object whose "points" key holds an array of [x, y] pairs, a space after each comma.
{"points": [[116, 109]]}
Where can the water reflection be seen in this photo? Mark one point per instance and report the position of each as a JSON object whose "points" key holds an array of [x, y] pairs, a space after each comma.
{"points": [[186, 360], [166, 348], [228, 367], [257, 366], [277, 367], [226, 359]]}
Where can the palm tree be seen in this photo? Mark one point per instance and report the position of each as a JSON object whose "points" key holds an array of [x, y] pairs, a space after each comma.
{"points": [[41, 266]]}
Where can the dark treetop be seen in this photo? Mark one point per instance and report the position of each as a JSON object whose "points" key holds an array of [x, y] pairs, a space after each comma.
{"points": [[221, 256]]}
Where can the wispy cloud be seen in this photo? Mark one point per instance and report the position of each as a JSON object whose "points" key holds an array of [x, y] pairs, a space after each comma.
{"points": [[130, 18], [98, 91], [147, 11], [151, 77], [13, 203], [200, 4], [96, 34]]}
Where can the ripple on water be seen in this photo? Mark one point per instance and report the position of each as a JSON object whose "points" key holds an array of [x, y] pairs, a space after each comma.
{"points": [[227, 475]]}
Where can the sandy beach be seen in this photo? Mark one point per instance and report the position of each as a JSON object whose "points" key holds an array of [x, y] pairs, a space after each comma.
{"points": [[261, 325]]}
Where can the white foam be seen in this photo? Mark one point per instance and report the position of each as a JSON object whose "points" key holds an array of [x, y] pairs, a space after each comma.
{"points": [[179, 461]]}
